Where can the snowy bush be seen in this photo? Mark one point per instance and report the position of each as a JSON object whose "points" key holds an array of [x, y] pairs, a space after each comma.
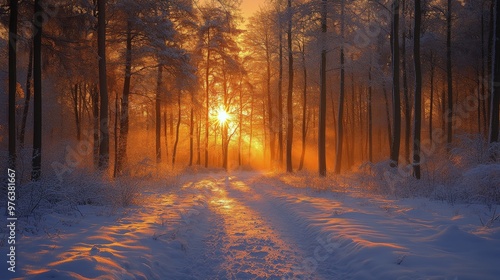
{"points": [[470, 150], [482, 184]]}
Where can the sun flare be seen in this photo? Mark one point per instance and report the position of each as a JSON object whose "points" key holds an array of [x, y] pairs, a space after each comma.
{"points": [[222, 116]]}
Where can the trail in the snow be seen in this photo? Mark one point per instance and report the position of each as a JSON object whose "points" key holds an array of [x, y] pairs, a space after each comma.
{"points": [[242, 243]]}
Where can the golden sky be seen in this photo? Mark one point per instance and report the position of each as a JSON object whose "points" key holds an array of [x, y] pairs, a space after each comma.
{"points": [[249, 7]]}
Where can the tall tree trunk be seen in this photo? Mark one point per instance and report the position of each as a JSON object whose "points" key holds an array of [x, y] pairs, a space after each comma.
{"points": [[388, 115], [370, 117], [95, 116], [37, 94], [76, 110], [174, 152], [27, 97], [418, 90], [322, 96], [116, 134], [449, 109], [482, 101], [124, 120], [252, 104], [304, 106], [13, 81], [490, 59], [165, 130], [103, 87], [396, 100], [240, 123], [191, 130], [198, 143], [207, 99], [495, 92], [340, 118], [158, 113], [270, 105], [224, 131], [406, 94], [289, 101], [280, 89], [431, 109]]}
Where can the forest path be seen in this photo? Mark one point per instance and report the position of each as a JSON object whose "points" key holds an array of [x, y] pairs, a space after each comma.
{"points": [[250, 236]]}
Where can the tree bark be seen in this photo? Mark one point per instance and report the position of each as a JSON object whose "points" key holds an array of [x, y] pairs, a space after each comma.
{"points": [[289, 101], [370, 117], [340, 118], [174, 152], [158, 113], [304, 106], [449, 109], [124, 120], [396, 100], [431, 109], [280, 89], [37, 94], [103, 87], [27, 97], [418, 90], [207, 97], [191, 130], [495, 92], [322, 98], [95, 115], [406, 93], [13, 82]]}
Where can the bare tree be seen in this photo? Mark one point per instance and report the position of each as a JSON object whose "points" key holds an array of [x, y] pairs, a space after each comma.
{"points": [[495, 91], [37, 93], [12, 81], [322, 99], [289, 101], [449, 108], [396, 99], [103, 87], [340, 118], [418, 90]]}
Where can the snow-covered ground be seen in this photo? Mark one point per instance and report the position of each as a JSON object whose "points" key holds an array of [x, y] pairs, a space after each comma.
{"points": [[250, 225]]}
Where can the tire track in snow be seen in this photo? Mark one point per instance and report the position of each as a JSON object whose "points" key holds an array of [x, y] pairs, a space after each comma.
{"points": [[313, 249], [242, 243]]}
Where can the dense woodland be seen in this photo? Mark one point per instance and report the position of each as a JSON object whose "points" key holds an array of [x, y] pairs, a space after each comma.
{"points": [[319, 85]]}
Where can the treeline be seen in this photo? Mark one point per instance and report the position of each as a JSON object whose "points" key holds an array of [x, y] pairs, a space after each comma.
{"points": [[323, 85]]}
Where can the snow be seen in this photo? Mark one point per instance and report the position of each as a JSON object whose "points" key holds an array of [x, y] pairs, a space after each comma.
{"points": [[251, 225]]}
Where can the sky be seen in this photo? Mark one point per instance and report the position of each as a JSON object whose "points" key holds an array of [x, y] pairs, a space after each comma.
{"points": [[249, 7]]}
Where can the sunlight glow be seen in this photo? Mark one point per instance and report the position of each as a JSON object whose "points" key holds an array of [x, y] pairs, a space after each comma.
{"points": [[222, 116]]}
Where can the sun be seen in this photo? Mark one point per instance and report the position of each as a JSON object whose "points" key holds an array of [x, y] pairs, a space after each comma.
{"points": [[222, 116]]}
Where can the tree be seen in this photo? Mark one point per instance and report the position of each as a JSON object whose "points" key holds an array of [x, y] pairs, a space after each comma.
{"points": [[322, 100], [124, 116], [449, 108], [37, 93], [418, 89], [12, 82], [103, 87], [495, 89], [340, 118], [406, 93], [289, 101], [396, 99], [158, 113], [27, 98], [280, 87]]}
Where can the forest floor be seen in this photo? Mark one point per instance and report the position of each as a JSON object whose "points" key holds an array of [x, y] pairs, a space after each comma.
{"points": [[251, 225]]}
